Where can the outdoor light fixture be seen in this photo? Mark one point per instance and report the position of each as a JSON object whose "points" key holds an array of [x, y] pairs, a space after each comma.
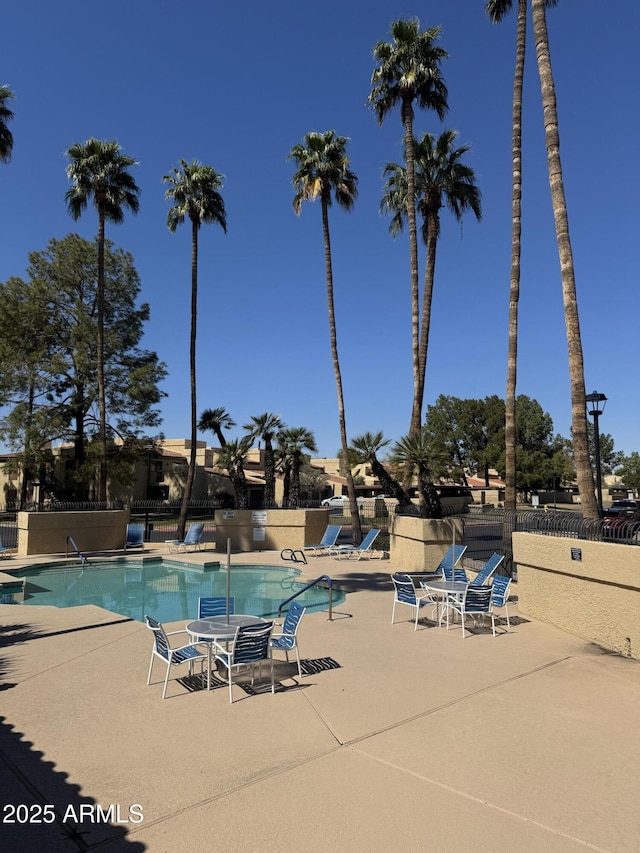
{"points": [[595, 406]]}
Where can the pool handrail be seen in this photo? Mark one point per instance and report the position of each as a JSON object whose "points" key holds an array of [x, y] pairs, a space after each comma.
{"points": [[308, 586], [83, 558]]}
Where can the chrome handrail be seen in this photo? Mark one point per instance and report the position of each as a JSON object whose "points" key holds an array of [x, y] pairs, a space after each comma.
{"points": [[82, 557], [308, 586]]}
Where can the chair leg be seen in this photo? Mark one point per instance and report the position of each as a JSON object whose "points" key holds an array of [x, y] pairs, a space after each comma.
{"points": [[166, 680], [506, 610], [298, 659], [393, 612], [150, 668]]}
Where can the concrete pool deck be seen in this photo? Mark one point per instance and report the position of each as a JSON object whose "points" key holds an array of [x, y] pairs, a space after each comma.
{"points": [[395, 738]]}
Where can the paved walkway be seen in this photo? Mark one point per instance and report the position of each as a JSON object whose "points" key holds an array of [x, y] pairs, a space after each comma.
{"points": [[396, 739]]}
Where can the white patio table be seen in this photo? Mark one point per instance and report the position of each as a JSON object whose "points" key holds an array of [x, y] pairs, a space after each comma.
{"points": [[219, 629], [448, 589]]}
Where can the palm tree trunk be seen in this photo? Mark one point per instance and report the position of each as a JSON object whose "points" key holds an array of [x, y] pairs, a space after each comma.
{"points": [[269, 476], [569, 295], [191, 473], [102, 428], [416, 411], [514, 286], [427, 300], [351, 489]]}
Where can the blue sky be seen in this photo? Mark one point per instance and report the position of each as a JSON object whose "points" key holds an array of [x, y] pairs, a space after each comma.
{"points": [[236, 86]]}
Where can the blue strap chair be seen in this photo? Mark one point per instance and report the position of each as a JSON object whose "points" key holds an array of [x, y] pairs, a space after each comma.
{"points": [[500, 594], [191, 539], [287, 640], [250, 646], [172, 657], [217, 606], [487, 569], [329, 538], [134, 537], [475, 602], [405, 593], [364, 548]]}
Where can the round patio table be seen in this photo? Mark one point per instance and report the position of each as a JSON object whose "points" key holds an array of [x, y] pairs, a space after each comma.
{"points": [[448, 589], [219, 629]]}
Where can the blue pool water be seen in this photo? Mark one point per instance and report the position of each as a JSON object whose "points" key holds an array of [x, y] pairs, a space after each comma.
{"points": [[166, 590]]}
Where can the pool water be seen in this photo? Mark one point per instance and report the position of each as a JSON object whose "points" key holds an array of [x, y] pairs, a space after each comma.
{"points": [[166, 590]]}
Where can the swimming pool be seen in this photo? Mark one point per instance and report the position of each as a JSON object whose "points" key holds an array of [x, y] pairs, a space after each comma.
{"points": [[167, 590]]}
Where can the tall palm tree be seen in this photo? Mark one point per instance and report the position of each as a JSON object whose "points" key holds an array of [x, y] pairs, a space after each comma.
{"points": [[584, 473], [440, 178], [497, 10], [194, 190], [265, 427], [322, 171], [6, 137], [215, 420], [231, 459], [294, 442], [408, 71], [98, 170]]}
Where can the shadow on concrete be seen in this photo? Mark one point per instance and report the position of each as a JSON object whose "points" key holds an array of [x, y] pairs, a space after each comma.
{"points": [[41, 810], [355, 580]]}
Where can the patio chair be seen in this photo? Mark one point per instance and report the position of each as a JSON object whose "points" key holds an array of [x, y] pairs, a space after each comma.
{"points": [[344, 552], [4, 551], [287, 640], [329, 538], [189, 653], [134, 537], [500, 594], [249, 647], [217, 606], [475, 602], [191, 539], [405, 593], [487, 569]]}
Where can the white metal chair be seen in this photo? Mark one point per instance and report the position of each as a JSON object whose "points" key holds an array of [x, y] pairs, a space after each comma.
{"points": [[405, 593], [286, 640], [475, 602], [500, 594], [249, 647], [189, 653]]}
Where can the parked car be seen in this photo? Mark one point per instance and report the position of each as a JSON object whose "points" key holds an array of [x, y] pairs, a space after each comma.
{"points": [[339, 502], [622, 520]]}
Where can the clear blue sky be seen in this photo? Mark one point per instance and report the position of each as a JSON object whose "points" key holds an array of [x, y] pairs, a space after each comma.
{"points": [[236, 86]]}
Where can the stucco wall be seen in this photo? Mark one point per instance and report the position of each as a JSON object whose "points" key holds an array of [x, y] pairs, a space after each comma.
{"points": [[269, 529], [596, 597], [418, 544], [46, 532]]}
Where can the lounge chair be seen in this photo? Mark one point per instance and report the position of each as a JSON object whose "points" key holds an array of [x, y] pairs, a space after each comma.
{"points": [[329, 539], [487, 570], [4, 551], [191, 539], [134, 537], [344, 552]]}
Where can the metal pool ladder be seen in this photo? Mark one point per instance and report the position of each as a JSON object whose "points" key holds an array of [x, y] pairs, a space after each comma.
{"points": [[82, 557]]}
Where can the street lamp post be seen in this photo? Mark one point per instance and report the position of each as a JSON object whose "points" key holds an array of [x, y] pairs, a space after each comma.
{"points": [[595, 406]]}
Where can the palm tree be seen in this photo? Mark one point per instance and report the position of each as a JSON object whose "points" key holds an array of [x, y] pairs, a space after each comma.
{"points": [[364, 449], [440, 178], [416, 451], [496, 10], [265, 427], [6, 137], [584, 473], [408, 70], [323, 172], [98, 170], [231, 459], [194, 191], [293, 443], [215, 420]]}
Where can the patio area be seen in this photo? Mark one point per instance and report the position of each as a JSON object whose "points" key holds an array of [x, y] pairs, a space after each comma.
{"points": [[394, 738]]}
